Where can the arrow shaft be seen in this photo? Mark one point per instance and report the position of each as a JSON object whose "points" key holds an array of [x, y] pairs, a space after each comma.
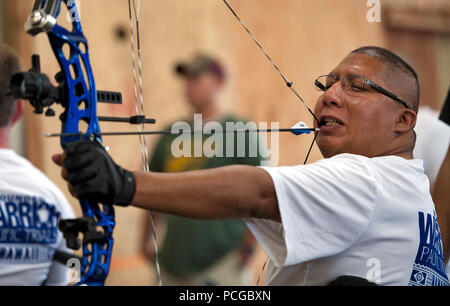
{"points": [[182, 132]]}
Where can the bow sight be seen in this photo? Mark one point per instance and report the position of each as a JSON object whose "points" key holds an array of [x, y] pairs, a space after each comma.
{"points": [[36, 87]]}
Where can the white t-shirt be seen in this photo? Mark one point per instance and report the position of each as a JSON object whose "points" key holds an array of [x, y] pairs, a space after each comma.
{"points": [[30, 208], [352, 215], [433, 139]]}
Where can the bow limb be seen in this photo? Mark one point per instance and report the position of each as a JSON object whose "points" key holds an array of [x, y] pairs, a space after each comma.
{"points": [[77, 94], [140, 112]]}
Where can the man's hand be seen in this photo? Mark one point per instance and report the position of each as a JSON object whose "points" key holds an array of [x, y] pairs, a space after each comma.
{"points": [[93, 175]]}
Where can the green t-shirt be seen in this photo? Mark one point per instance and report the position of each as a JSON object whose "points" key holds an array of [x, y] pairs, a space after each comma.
{"points": [[191, 245]]}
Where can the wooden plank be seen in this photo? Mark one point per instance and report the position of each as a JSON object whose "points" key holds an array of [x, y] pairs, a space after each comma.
{"points": [[418, 21]]}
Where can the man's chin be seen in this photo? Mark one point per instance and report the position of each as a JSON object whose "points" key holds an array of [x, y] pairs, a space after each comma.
{"points": [[330, 146], [330, 154]]}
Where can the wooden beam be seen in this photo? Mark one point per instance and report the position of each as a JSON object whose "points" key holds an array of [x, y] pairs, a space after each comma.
{"points": [[418, 21]]}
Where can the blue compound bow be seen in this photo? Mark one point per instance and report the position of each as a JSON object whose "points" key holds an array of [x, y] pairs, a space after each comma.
{"points": [[77, 93]]}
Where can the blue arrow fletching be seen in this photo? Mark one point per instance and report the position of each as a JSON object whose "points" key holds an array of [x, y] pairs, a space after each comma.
{"points": [[300, 128]]}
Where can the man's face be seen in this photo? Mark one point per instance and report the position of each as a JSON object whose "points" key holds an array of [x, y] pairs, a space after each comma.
{"points": [[365, 120], [202, 90]]}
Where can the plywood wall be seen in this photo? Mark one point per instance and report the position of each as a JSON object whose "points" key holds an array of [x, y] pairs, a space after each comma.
{"points": [[305, 38]]}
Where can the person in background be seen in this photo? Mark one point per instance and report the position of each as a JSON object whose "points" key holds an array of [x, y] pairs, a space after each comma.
{"points": [[433, 137], [30, 204], [199, 252], [432, 146]]}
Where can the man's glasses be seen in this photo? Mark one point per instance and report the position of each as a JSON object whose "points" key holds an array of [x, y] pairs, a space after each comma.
{"points": [[355, 84]]}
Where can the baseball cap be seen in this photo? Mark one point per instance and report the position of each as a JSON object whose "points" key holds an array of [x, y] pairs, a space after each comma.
{"points": [[198, 65]]}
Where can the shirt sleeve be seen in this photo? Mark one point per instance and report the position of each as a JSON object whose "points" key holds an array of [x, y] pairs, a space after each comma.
{"points": [[324, 206]]}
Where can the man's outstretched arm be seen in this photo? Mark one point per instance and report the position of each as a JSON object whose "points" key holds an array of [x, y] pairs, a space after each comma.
{"points": [[220, 193]]}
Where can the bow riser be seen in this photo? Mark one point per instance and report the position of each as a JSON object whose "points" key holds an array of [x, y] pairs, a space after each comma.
{"points": [[79, 100]]}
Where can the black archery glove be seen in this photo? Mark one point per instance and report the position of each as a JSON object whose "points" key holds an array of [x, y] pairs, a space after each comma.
{"points": [[94, 175]]}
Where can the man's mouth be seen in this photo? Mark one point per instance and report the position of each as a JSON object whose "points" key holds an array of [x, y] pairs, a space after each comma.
{"points": [[329, 122]]}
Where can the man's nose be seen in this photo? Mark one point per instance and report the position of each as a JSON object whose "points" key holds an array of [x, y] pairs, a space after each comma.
{"points": [[333, 96]]}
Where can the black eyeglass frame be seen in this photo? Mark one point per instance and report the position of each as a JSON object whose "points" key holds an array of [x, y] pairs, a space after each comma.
{"points": [[368, 82]]}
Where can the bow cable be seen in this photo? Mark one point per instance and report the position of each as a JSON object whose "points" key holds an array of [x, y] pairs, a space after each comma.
{"points": [[285, 79], [288, 84], [140, 111]]}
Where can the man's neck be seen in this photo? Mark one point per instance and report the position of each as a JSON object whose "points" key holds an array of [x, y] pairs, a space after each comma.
{"points": [[4, 138], [407, 155], [403, 154], [403, 149]]}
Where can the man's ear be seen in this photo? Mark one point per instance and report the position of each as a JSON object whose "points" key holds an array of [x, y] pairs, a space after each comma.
{"points": [[18, 112], [405, 120]]}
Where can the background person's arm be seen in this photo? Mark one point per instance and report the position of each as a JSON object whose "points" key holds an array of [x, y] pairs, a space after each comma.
{"points": [[221, 193], [441, 192], [441, 197]]}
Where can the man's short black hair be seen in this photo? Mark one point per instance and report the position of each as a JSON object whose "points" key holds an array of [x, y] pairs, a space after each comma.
{"points": [[9, 65], [396, 62]]}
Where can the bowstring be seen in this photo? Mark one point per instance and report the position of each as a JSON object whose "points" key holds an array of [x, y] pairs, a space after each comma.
{"points": [[283, 76], [304, 163], [289, 84], [137, 74]]}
